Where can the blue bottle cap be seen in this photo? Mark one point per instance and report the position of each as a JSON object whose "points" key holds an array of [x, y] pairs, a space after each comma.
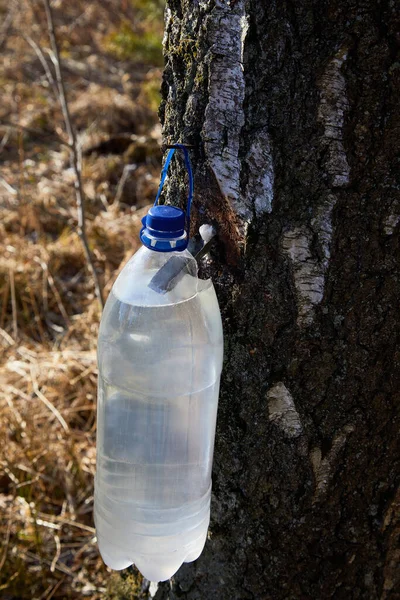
{"points": [[166, 219], [162, 226]]}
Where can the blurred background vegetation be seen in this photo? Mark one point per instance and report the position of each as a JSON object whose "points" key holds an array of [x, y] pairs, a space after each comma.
{"points": [[49, 315]]}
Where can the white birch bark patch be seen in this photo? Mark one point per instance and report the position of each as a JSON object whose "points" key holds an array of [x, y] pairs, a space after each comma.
{"points": [[282, 410], [260, 186], [224, 115], [307, 271], [331, 113]]}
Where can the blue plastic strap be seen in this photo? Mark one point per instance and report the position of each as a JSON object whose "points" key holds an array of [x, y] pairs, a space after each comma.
{"points": [[164, 174], [190, 174]]}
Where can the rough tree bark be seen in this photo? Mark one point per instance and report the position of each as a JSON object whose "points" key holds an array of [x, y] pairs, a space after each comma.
{"points": [[292, 110]]}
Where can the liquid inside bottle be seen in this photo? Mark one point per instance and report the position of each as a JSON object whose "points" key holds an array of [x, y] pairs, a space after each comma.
{"points": [[160, 360]]}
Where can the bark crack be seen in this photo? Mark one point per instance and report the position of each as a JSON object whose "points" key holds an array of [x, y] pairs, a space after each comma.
{"points": [[323, 467]]}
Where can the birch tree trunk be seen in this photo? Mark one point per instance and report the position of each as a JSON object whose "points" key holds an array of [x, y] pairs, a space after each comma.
{"points": [[292, 109]]}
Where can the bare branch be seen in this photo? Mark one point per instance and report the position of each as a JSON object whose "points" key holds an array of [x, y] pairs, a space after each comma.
{"points": [[39, 53], [75, 153]]}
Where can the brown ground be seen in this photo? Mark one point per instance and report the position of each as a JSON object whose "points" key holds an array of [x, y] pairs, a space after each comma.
{"points": [[49, 314]]}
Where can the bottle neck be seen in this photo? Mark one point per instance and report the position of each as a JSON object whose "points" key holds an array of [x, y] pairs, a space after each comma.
{"points": [[163, 244]]}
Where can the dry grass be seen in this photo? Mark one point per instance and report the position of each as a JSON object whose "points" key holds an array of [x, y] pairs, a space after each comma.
{"points": [[48, 312]]}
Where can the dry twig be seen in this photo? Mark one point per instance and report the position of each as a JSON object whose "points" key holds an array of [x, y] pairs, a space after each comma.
{"points": [[39, 394], [6, 336], [6, 26], [7, 539], [13, 305], [5, 139], [75, 153], [57, 554], [38, 51], [8, 187], [128, 169]]}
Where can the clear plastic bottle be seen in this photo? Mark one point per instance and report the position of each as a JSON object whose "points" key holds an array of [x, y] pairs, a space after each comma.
{"points": [[160, 360]]}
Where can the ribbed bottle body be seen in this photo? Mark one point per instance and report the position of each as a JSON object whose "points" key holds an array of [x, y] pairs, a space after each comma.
{"points": [[160, 359]]}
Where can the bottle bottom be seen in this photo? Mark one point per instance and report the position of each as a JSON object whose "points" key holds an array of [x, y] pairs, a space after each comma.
{"points": [[157, 548], [154, 567]]}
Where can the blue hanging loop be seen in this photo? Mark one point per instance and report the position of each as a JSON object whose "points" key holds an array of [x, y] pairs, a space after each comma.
{"points": [[188, 166], [163, 221]]}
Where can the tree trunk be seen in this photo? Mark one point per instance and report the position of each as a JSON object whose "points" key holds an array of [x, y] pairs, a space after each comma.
{"points": [[291, 107]]}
